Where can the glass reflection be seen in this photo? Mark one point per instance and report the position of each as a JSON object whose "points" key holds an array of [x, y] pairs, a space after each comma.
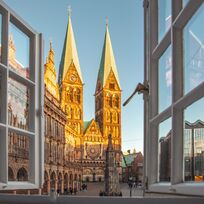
{"points": [[165, 80], [194, 51], [194, 142], [18, 151], [18, 104], [185, 2], [18, 51], [164, 17], [164, 151]]}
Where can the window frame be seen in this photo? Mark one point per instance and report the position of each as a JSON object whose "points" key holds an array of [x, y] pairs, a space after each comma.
{"points": [[152, 118], [36, 121]]}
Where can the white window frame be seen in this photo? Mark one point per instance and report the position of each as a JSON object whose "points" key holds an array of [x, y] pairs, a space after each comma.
{"points": [[36, 121], [152, 118]]}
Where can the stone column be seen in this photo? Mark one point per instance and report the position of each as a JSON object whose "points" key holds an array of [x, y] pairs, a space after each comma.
{"points": [[62, 186], [56, 183], [40, 191], [48, 186], [28, 192]]}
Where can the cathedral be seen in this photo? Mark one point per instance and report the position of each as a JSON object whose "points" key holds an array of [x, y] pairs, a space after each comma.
{"points": [[74, 149], [90, 137]]}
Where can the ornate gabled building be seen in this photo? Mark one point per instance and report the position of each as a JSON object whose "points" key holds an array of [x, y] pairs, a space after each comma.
{"points": [[74, 148]]}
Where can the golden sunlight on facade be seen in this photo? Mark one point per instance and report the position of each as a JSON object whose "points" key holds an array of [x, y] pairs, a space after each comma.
{"points": [[74, 148]]}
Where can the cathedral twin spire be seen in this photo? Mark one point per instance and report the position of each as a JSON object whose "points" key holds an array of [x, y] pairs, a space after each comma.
{"points": [[107, 61], [69, 54]]}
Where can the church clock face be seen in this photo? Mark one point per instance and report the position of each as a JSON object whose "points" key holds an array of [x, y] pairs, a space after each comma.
{"points": [[72, 78]]}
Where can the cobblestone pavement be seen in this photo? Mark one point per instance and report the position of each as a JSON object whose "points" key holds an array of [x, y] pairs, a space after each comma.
{"points": [[94, 189]]}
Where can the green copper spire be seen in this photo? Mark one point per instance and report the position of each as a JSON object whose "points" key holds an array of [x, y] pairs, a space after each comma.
{"points": [[69, 54]]}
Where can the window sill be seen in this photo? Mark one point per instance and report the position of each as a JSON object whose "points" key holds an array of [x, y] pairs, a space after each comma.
{"points": [[194, 189], [12, 185]]}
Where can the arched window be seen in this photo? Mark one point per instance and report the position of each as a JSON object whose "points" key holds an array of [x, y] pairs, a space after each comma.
{"points": [[78, 96], [115, 100], [22, 174], [10, 174], [108, 100], [69, 94]]}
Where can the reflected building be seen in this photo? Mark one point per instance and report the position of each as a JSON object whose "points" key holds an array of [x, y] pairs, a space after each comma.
{"points": [[193, 153]]}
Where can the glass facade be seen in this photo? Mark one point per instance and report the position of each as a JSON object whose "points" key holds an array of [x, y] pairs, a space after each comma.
{"points": [[194, 142], [193, 35], [19, 45], [164, 17], [164, 151], [165, 80]]}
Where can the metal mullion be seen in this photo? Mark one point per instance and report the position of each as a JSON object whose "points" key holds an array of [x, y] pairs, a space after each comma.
{"points": [[17, 20], [161, 117], [34, 156], [15, 75], [3, 156], [153, 94], [20, 131], [40, 79], [2, 125], [3, 67], [4, 136], [5, 28], [162, 46], [188, 11], [177, 92], [191, 97]]}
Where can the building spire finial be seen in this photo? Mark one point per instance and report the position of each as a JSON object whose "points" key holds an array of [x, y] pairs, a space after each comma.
{"points": [[106, 20], [50, 43], [69, 11]]}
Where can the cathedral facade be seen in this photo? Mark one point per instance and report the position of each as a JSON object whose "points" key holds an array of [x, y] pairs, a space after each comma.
{"points": [[74, 148], [91, 137]]}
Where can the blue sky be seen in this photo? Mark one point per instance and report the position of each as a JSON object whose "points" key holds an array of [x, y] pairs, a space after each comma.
{"points": [[88, 19]]}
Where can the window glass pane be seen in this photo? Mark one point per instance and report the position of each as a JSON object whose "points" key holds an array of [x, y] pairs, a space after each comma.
{"points": [[165, 80], [19, 51], [185, 2], [164, 15], [194, 142], [18, 104], [0, 35], [18, 157], [164, 151], [194, 51]]}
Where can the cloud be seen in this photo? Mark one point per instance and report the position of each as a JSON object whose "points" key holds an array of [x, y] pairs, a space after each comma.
{"points": [[169, 77]]}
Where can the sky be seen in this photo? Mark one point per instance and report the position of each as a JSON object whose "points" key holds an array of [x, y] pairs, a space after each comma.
{"points": [[125, 20]]}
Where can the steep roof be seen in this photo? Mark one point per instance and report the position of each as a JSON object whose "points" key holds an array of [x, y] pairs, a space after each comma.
{"points": [[128, 159], [69, 54], [107, 61], [86, 124]]}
